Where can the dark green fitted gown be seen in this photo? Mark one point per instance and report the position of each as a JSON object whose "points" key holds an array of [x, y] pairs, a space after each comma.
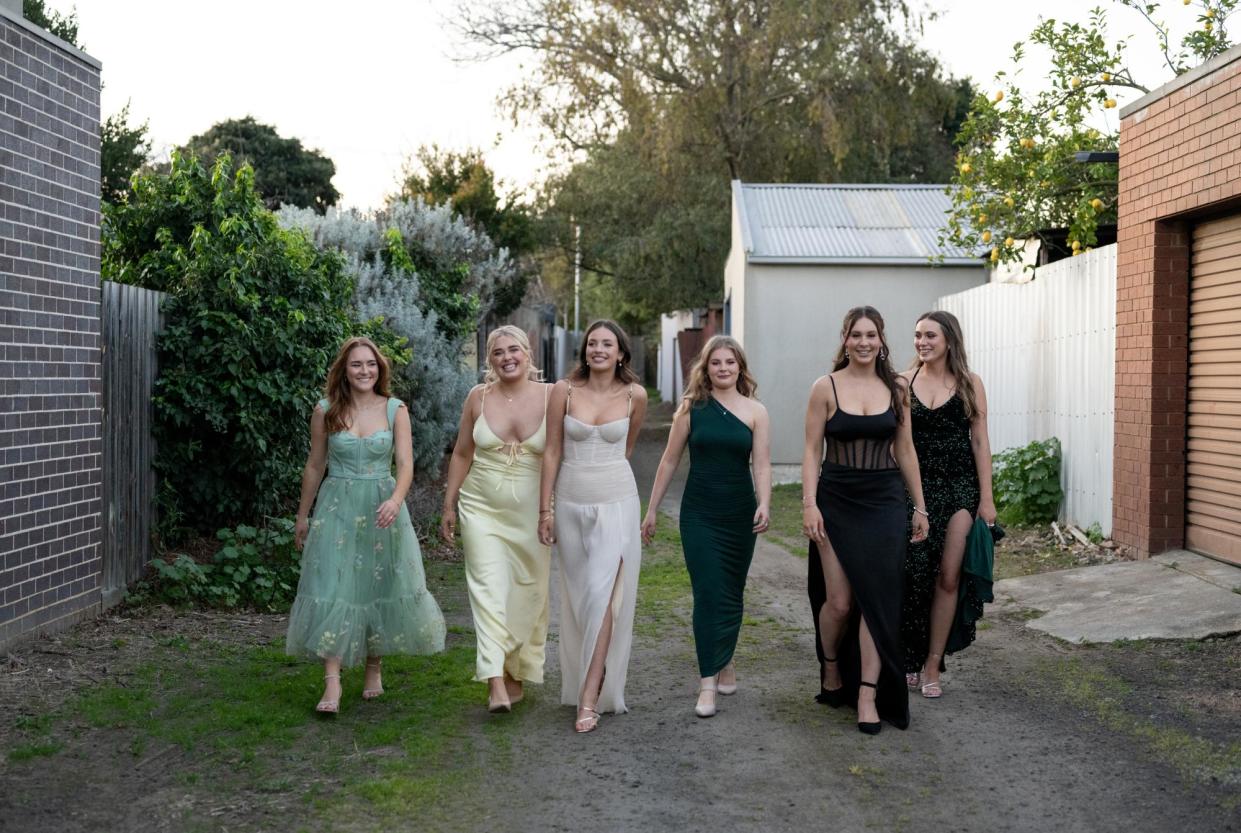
{"points": [[717, 529]]}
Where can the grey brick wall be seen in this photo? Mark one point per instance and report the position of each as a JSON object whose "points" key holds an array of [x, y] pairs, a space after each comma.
{"points": [[50, 417]]}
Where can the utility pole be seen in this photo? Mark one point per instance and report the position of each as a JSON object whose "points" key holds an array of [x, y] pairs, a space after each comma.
{"points": [[577, 277]]}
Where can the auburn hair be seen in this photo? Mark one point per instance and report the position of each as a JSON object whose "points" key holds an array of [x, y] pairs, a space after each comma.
{"points": [[338, 392]]}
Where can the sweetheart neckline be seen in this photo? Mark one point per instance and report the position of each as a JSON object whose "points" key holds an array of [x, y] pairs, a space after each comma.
{"points": [[594, 424]]}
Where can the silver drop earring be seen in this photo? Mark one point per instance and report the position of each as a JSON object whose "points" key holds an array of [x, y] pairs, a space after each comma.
{"points": [[883, 354]]}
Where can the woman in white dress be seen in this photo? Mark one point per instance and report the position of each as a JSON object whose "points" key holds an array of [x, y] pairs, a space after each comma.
{"points": [[593, 420]]}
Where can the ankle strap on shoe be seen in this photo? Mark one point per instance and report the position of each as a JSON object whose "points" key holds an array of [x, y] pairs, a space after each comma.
{"points": [[869, 685]]}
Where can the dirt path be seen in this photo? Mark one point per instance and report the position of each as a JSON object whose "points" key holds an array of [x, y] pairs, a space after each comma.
{"points": [[143, 731]]}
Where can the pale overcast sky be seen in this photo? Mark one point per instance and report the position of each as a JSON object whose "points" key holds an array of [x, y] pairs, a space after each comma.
{"points": [[369, 81]]}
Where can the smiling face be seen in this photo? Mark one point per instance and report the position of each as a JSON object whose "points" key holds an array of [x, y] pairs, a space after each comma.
{"points": [[863, 341], [723, 368], [362, 370], [602, 349], [929, 341], [508, 359]]}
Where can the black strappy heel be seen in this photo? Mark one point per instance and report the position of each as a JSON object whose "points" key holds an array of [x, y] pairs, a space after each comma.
{"points": [[834, 697], [870, 728]]}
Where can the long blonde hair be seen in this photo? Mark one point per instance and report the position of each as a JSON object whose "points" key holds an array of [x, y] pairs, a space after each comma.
{"points": [[337, 391], [698, 386], [518, 335], [958, 364]]}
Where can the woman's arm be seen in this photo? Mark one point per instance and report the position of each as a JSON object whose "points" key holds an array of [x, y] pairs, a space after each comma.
{"points": [[552, 454], [635, 418], [459, 463], [760, 457], [812, 458], [403, 448], [678, 435], [312, 474], [980, 442], [907, 459]]}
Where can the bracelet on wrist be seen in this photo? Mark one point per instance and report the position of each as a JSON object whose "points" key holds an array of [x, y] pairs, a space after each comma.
{"points": [[922, 512], [807, 503]]}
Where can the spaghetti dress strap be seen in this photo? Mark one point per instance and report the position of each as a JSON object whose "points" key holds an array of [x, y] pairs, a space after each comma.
{"points": [[629, 407], [568, 400]]}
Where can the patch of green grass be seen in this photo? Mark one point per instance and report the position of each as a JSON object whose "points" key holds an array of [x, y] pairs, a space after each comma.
{"points": [[785, 528], [663, 583], [1103, 696], [30, 751]]}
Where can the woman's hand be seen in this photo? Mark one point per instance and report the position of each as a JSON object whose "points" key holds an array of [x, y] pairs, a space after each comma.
{"points": [[547, 529], [448, 524], [648, 528], [300, 530], [986, 511], [762, 519], [386, 513], [921, 528], [812, 525]]}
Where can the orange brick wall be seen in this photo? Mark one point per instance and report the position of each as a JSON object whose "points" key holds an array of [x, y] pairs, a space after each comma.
{"points": [[1180, 160]]}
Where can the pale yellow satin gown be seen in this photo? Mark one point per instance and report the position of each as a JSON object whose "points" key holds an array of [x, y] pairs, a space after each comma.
{"points": [[506, 568]]}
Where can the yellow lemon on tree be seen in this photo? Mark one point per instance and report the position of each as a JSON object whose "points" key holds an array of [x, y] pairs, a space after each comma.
{"points": [[982, 218], [995, 253], [1096, 204], [999, 96], [1076, 245], [1110, 103], [1075, 82], [966, 167], [1107, 76], [986, 237], [1008, 241], [1009, 202], [1210, 13]]}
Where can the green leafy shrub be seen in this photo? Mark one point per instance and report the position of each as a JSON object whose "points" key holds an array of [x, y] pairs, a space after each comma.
{"points": [[256, 568], [255, 317], [1027, 482]]}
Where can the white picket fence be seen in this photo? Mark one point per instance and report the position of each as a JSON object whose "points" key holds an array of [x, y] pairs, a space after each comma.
{"points": [[1046, 351]]}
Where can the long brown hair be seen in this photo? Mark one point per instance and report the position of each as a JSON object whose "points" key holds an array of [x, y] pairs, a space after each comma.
{"points": [[958, 364], [624, 372], [339, 394], [883, 362], [518, 335], [698, 386]]}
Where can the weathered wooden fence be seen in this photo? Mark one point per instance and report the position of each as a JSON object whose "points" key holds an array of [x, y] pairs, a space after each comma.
{"points": [[130, 321], [1046, 351]]}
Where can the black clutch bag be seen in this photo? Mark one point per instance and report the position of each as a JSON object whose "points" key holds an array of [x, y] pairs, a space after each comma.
{"points": [[997, 532]]}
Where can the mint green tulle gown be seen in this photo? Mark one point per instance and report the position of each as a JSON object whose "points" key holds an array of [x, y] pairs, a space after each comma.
{"points": [[363, 590]]}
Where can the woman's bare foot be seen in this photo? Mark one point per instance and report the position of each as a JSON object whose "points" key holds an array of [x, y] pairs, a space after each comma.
{"points": [[372, 683], [497, 696], [514, 689]]}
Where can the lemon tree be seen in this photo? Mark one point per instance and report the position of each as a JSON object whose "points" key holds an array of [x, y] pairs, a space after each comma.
{"points": [[1015, 175]]}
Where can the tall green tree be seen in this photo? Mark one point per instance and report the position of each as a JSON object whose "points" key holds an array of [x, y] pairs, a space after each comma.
{"points": [[664, 101], [285, 172], [123, 149], [1016, 176]]}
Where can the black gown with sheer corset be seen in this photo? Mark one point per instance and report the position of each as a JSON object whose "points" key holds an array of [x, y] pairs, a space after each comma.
{"points": [[862, 498]]}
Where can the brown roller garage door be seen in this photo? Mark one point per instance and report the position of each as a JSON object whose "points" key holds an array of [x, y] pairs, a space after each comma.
{"points": [[1213, 494]]}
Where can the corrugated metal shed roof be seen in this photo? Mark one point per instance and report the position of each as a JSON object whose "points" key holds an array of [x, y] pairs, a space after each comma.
{"points": [[844, 223]]}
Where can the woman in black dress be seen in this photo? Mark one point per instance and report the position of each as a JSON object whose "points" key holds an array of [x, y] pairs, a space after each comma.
{"points": [[856, 522], [948, 412]]}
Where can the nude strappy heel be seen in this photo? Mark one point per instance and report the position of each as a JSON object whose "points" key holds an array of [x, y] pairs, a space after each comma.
{"points": [[372, 693], [325, 705]]}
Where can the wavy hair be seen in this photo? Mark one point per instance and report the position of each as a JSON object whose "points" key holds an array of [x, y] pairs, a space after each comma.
{"points": [[883, 364], [958, 364], [518, 335], [624, 371], [337, 390], [698, 386]]}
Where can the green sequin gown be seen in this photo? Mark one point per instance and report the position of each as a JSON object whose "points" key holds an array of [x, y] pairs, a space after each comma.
{"points": [[717, 529], [362, 589]]}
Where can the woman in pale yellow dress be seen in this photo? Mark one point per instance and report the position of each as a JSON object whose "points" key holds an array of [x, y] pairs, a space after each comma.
{"points": [[493, 479]]}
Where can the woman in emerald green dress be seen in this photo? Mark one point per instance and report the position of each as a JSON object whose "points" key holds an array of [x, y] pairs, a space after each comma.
{"points": [[726, 430], [362, 592]]}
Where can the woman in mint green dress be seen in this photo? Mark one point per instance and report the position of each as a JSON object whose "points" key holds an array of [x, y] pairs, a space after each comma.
{"points": [[362, 593]]}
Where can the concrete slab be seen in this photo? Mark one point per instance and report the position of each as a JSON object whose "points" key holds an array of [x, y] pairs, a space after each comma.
{"points": [[1175, 596]]}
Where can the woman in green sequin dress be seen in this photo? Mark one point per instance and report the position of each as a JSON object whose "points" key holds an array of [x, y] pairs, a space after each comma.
{"points": [[727, 432], [362, 592], [948, 408]]}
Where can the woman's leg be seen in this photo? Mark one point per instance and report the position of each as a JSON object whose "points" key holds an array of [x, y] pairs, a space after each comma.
{"points": [[834, 613], [331, 684], [588, 697], [871, 666], [944, 605]]}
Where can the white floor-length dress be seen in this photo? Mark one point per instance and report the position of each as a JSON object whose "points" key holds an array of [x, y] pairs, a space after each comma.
{"points": [[599, 552]]}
